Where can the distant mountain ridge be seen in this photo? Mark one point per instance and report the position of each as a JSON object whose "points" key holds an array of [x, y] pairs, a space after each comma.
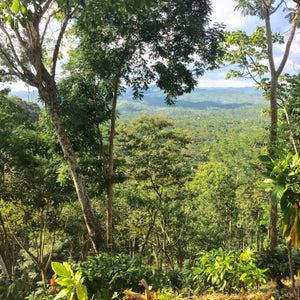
{"points": [[31, 96], [199, 98]]}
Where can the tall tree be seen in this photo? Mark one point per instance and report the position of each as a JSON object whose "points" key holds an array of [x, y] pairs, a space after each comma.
{"points": [[157, 46], [157, 167], [249, 54], [26, 28]]}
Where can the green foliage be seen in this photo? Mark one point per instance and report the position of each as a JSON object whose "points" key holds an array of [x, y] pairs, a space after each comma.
{"points": [[112, 45], [157, 166], [247, 51], [41, 291], [107, 276], [12, 289], [275, 260], [225, 271], [213, 193], [71, 282], [282, 179], [289, 113]]}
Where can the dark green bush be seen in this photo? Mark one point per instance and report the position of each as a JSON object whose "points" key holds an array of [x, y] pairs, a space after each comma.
{"points": [[12, 289], [277, 262]]}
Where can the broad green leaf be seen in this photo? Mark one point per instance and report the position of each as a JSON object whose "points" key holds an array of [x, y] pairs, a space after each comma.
{"points": [[277, 193], [81, 291], [23, 9], [284, 231], [62, 293], [71, 296], [243, 276], [15, 6], [60, 269], [78, 275], [68, 268], [65, 281]]}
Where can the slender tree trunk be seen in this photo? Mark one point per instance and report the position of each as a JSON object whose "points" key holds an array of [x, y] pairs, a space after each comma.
{"points": [[273, 97], [273, 129], [290, 129], [291, 264], [3, 266], [91, 222], [110, 187]]}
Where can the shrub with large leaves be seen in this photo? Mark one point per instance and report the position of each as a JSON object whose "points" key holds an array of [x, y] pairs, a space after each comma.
{"points": [[108, 276], [226, 271], [282, 179]]}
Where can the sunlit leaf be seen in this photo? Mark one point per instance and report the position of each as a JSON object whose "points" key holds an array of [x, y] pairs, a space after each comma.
{"points": [[15, 6], [60, 269], [81, 291]]}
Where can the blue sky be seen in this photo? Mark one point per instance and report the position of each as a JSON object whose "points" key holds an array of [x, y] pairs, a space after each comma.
{"points": [[223, 12]]}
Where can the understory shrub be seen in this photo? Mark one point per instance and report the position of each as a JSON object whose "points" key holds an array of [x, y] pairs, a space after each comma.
{"points": [[109, 276], [225, 271], [12, 289], [277, 262]]}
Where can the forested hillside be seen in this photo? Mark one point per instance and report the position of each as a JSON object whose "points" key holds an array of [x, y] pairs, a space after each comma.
{"points": [[124, 180], [204, 164]]}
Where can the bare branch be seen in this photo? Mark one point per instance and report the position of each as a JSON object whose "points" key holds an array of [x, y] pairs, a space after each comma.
{"points": [[22, 43], [289, 42], [59, 40], [290, 129], [51, 251], [26, 250], [45, 30], [8, 61], [277, 7], [46, 25], [12, 47], [45, 7]]}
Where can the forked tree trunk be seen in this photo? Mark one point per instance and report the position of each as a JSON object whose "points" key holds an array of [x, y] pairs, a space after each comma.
{"points": [[28, 65]]}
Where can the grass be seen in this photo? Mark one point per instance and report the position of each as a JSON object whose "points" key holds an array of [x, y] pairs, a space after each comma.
{"points": [[267, 292]]}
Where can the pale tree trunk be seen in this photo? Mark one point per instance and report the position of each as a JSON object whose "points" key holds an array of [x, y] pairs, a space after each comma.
{"points": [[91, 222], [3, 266], [273, 97], [30, 40]]}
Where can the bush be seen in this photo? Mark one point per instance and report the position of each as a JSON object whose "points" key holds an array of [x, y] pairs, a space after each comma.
{"points": [[225, 271], [109, 276], [12, 289], [277, 262]]}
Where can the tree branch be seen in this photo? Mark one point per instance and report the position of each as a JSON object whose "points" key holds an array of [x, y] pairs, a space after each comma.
{"points": [[26, 250], [59, 40], [12, 47], [289, 42]]}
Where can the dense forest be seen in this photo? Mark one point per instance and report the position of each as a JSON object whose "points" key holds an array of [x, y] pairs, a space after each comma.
{"points": [[120, 178]]}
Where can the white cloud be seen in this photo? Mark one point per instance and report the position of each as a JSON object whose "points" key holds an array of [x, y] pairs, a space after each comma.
{"points": [[18, 86], [208, 82], [223, 12]]}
